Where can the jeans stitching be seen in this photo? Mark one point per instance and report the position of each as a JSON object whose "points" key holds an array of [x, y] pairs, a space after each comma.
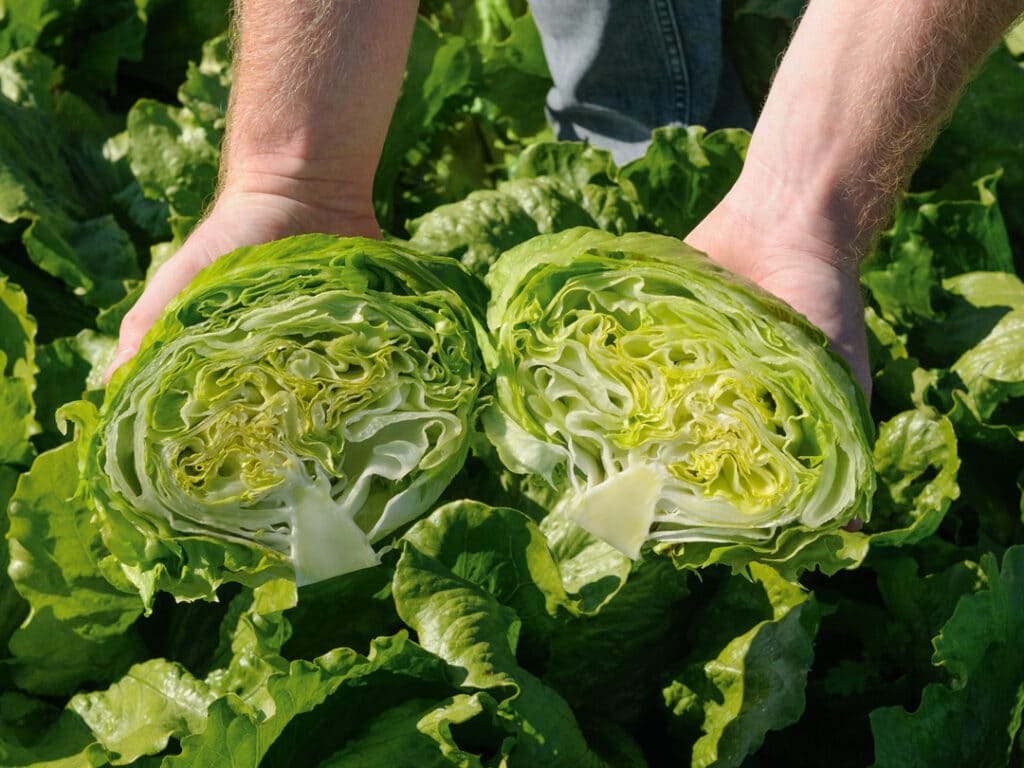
{"points": [[675, 58]]}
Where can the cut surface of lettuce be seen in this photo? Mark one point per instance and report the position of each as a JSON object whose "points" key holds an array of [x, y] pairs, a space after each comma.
{"points": [[672, 402], [302, 399]]}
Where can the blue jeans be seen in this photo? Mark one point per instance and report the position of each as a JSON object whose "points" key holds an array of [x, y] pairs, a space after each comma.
{"points": [[624, 67]]}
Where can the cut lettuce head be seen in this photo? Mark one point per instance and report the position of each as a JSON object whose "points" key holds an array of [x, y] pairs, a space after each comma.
{"points": [[675, 403], [297, 403]]}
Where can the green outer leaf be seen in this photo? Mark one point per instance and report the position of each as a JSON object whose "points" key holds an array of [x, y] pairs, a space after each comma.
{"points": [[475, 633], [23, 24], [683, 175], [175, 36], [574, 161], [157, 700], [137, 715], [78, 628], [35, 734], [208, 84], [175, 156], [976, 718], [55, 179], [439, 68], [520, 572], [242, 733], [755, 683], [17, 375], [591, 569], [637, 629], [67, 368], [93, 257], [993, 373], [935, 235], [915, 604], [413, 733], [12, 607], [175, 151], [90, 38], [516, 80], [984, 136], [917, 462], [488, 222]]}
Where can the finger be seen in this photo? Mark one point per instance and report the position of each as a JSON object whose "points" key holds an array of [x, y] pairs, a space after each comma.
{"points": [[166, 283]]}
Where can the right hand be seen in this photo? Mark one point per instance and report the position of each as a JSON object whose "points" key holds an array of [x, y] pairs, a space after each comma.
{"points": [[238, 218]]}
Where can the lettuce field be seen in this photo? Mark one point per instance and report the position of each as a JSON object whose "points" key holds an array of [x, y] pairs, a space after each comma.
{"points": [[464, 617]]}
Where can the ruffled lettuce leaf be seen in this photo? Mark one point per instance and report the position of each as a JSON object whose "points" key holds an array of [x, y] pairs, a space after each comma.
{"points": [[174, 151], [488, 222], [12, 607], [340, 685], [982, 348], [36, 734], [935, 235], [734, 688], [69, 367], [78, 628], [157, 699], [984, 136], [59, 190], [683, 175], [469, 604], [176, 33], [638, 628], [975, 717], [916, 461], [153, 702], [17, 375], [259, 705], [90, 38], [472, 100]]}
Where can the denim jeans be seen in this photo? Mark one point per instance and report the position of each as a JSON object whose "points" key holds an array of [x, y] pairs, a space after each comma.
{"points": [[624, 67]]}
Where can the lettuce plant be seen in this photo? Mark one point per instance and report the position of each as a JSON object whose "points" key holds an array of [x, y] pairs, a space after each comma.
{"points": [[297, 403], [672, 402]]}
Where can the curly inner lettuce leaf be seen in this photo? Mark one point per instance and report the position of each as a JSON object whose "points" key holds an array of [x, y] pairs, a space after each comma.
{"points": [[297, 403], [675, 403]]}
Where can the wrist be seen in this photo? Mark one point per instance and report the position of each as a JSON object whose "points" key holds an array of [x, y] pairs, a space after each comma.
{"points": [[789, 213], [324, 196]]}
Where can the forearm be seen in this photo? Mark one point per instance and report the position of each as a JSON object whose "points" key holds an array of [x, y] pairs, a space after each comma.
{"points": [[315, 87], [856, 102]]}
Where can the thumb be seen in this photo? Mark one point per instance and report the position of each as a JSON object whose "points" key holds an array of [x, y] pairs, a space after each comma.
{"points": [[166, 283]]}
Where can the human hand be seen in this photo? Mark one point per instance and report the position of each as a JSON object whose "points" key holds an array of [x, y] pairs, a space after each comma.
{"points": [[792, 254], [239, 217]]}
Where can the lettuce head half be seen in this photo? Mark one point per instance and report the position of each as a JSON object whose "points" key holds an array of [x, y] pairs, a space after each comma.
{"points": [[669, 401], [298, 402]]}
